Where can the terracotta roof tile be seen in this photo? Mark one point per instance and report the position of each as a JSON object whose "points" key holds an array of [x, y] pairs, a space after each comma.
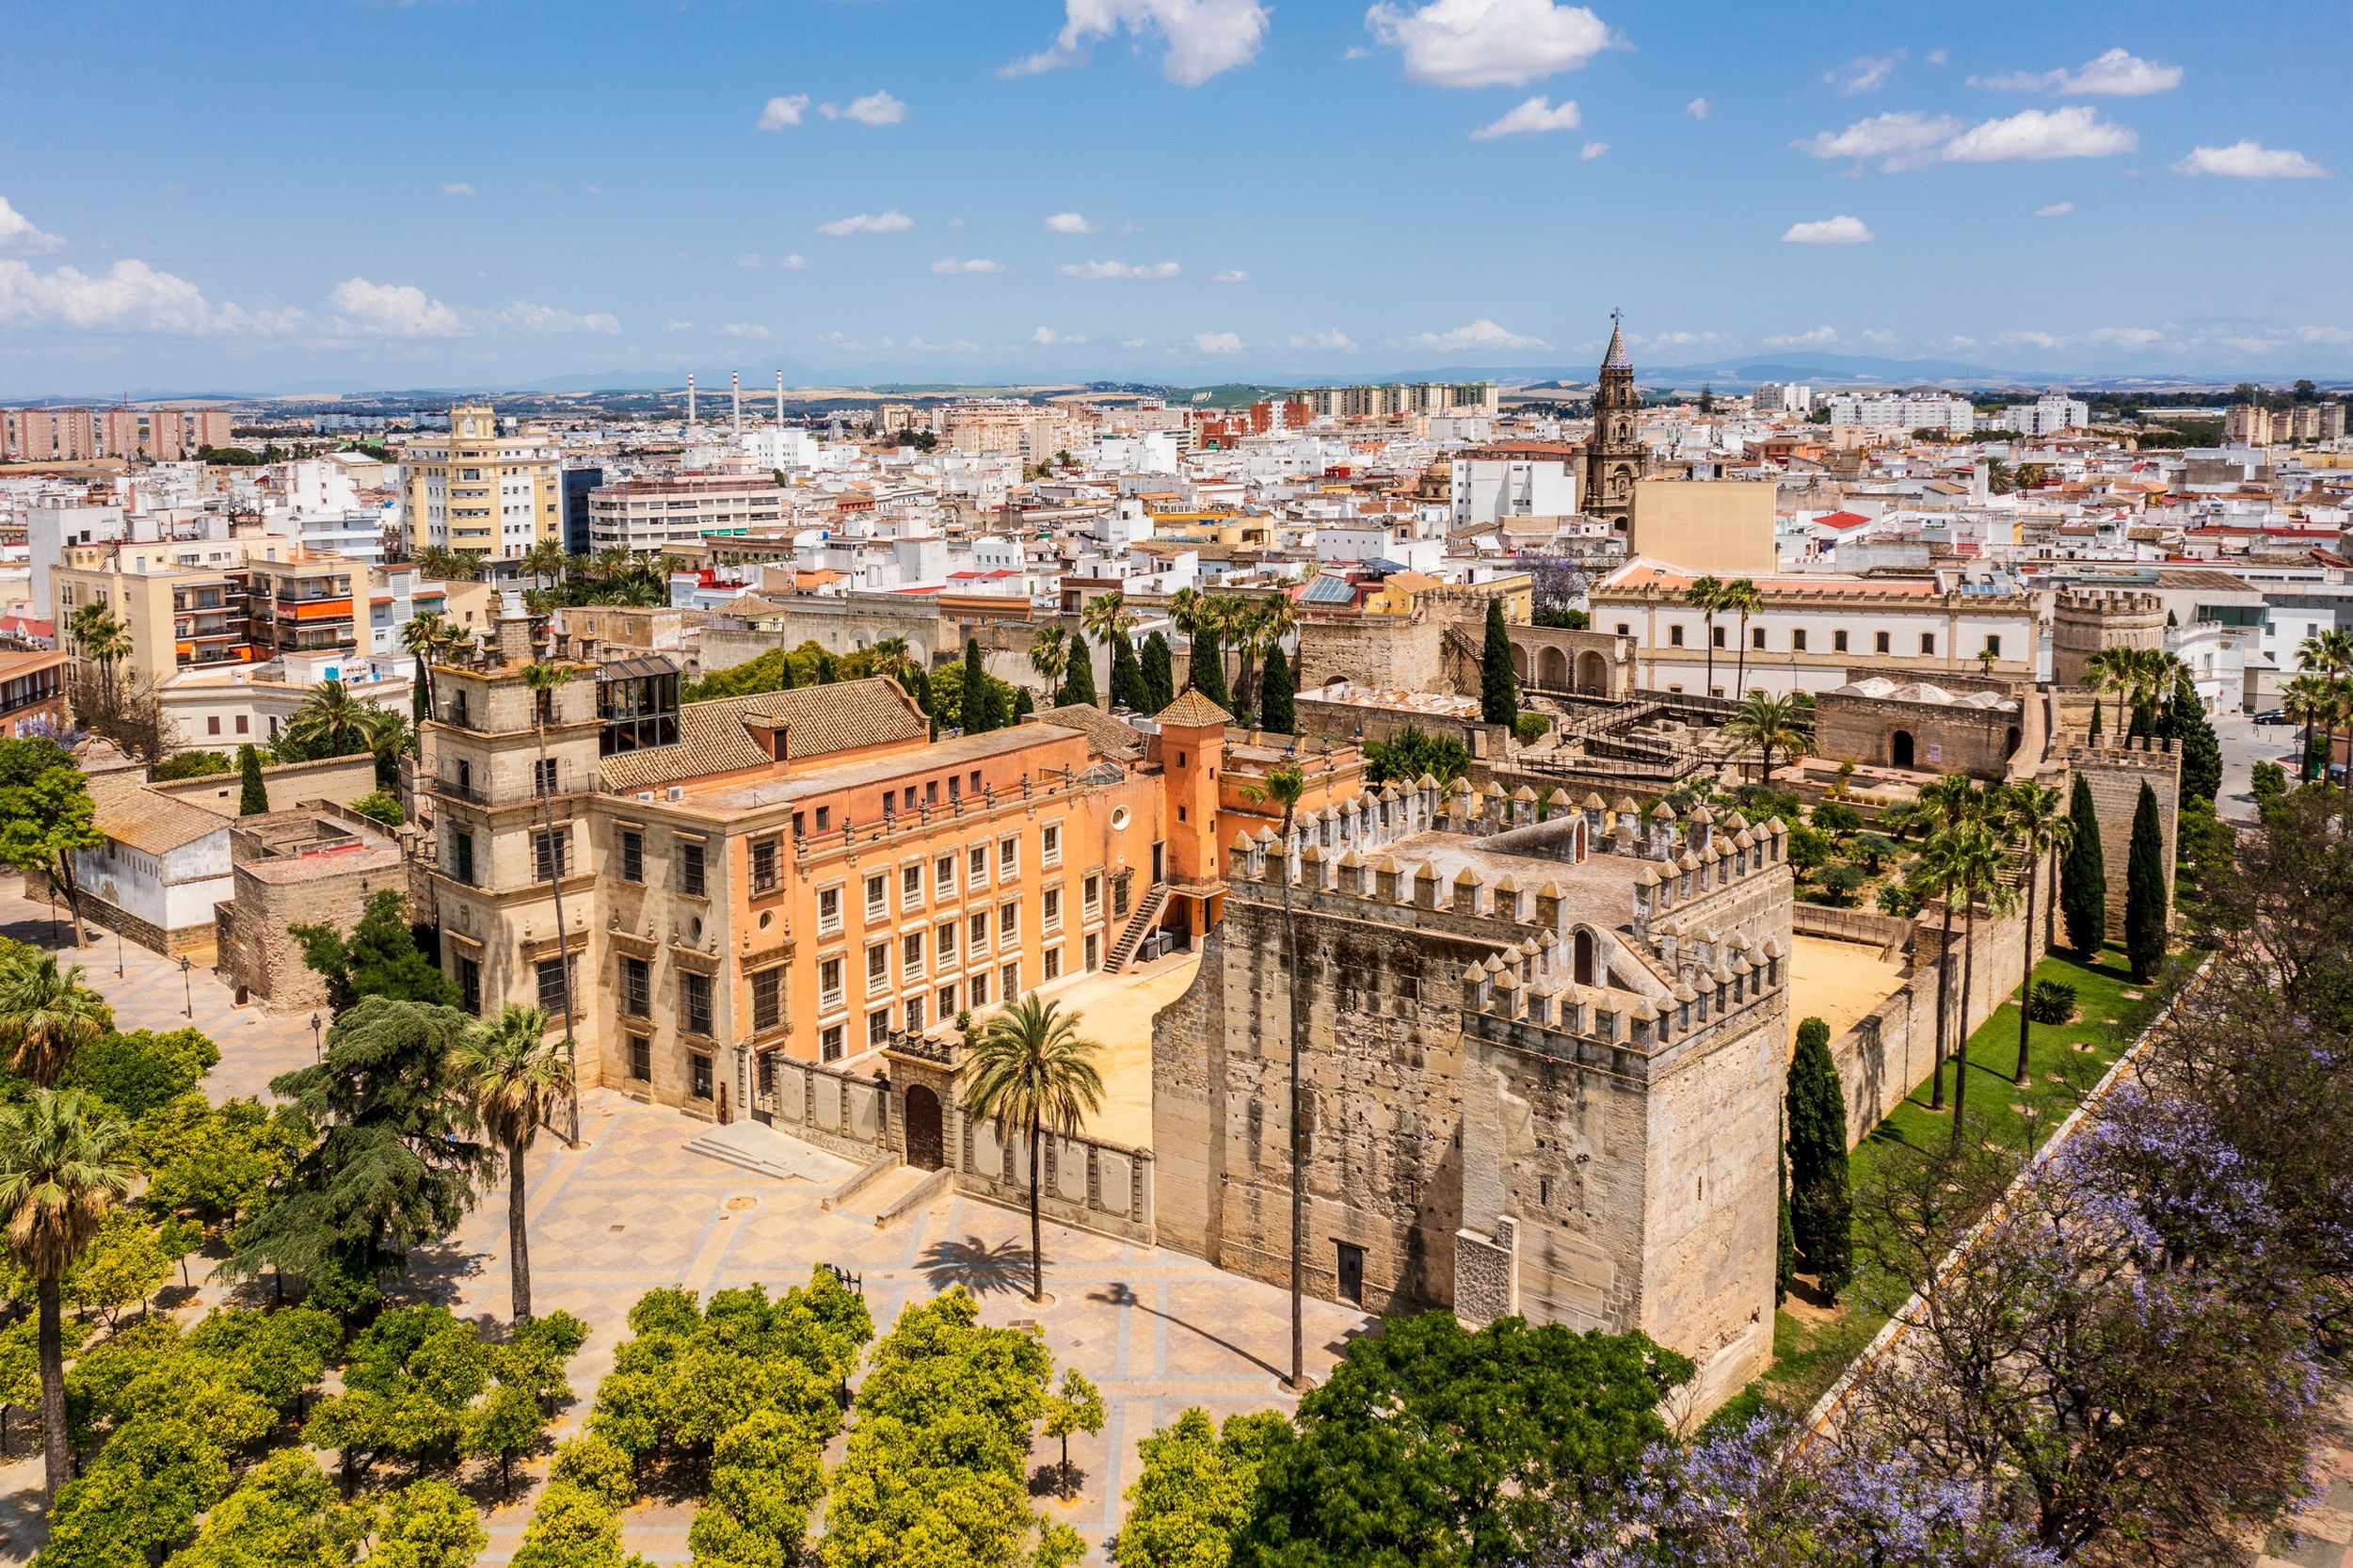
{"points": [[147, 819], [1193, 710]]}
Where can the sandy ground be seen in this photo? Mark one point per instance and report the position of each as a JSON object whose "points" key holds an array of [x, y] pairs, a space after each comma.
{"points": [[1839, 983], [1116, 1011]]}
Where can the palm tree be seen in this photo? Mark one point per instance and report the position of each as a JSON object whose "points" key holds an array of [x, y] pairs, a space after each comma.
{"points": [[1286, 786], [1030, 1068], [1740, 595], [46, 1014], [1184, 608], [1105, 616], [1979, 861], [1769, 724], [58, 1175], [1226, 613], [545, 561], [424, 634], [2310, 700], [1943, 808], [2329, 655], [1707, 594], [2036, 817], [515, 1079], [331, 723], [2115, 672], [545, 679], [105, 642], [449, 566], [1050, 655]]}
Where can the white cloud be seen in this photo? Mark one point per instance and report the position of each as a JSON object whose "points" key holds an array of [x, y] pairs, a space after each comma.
{"points": [[1814, 338], [1069, 223], [1875, 335], [1329, 341], [524, 317], [1905, 140], [457, 187], [751, 331], [129, 296], [2075, 132], [1217, 343], [18, 237], [1131, 342], [1863, 75], [2324, 334], [782, 263], [1118, 269], [2117, 74], [791, 264], [1482, 333], [1231, 275], [1842, 230], [1485, 43], [1934, 56], [1047, 337], [1201, 36], [2248, 160], [1532, 117], [1672, 340], [2020, 338], [2125, 337], [978, 263], [781, 112], [890, 222], [392, 311], [1696, 108], [1593, 149], [875, 108], [2054, 208], [674, 325]]}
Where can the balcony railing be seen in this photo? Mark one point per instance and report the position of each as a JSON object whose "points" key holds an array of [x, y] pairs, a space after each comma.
{"points": [[573, 782]]}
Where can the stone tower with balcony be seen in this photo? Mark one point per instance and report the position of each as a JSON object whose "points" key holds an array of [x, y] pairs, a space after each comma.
{"points": [[2087, 622], [505, 775]]}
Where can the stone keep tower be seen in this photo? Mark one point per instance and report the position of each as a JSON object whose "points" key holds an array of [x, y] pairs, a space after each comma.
{"points": [[1614, 459], [509, 822], [1543, 1048], [2085, 621]]}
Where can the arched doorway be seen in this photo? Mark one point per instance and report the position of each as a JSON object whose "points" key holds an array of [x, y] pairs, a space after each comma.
{"points": [[2015, 736], [1592, 673], [1555, 667], [926, 1149], [1519, 662], [1899, 750], [1582, 965]]}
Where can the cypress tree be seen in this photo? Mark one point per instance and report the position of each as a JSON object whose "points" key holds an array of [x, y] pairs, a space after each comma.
{"points": [[2201, 754], [1276, 712], [1128, 689], [1785, 1251], [2144, 889], [1498, 692], [1159, 674], [1078, 677], [254, 797], [976, 693], [2083, 878], [1821, 1207], [2095, 721], [1208, 672], [1023, 706]]}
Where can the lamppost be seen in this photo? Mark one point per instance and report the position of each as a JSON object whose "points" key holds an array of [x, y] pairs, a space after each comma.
{"points": [[316, 1049], [118, 946], [187, 985]]}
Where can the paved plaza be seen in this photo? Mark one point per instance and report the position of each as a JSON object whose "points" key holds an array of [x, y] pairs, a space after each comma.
{"points": [[632, 1208]]}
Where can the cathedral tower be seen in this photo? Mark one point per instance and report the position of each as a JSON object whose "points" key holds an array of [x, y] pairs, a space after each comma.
{"points": [[1614, 459]]}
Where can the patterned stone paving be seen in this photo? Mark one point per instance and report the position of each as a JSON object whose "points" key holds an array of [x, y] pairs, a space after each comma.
{"points": [[632, 1208]]}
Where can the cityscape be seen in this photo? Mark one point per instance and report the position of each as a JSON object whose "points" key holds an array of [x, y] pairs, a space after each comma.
{"points": [[733, 834]]}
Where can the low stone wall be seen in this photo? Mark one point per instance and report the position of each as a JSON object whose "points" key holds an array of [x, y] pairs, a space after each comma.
{"points": [[842, 1112], [1891, 1052], [1849, 926], [1086, 1183], [196, 941], [337, 780]]}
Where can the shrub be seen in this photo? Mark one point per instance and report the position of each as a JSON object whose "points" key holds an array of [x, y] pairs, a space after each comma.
{"points": [[1897, 899], [1842, 882], [2052, 1002], [2270, 781], [1530, 728], [1835, 817], [380, 807]]}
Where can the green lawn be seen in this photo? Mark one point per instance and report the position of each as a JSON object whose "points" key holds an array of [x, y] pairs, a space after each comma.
{"points": [[2065, 1061]]}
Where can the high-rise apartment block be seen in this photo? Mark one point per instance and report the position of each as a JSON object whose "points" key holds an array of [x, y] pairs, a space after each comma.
{"points": [[74, 434], [1390, 399], [490, 487], [2253, 424]]}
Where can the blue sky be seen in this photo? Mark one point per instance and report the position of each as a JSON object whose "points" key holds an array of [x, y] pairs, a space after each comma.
{"points": [[351, 194]]}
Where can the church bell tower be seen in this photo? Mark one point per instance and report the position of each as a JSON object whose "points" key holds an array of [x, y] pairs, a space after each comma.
{"points": [[1614, 459]]}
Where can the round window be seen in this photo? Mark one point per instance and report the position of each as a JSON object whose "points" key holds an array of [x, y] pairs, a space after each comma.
{"points": [[1119, 819], [767, 919]]}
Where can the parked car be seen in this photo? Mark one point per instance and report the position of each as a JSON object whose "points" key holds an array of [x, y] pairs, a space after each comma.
{"points": [[2271, 716]]}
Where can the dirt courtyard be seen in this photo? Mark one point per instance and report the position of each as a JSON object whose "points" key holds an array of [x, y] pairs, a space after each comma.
{"points": [[1839, 983]]}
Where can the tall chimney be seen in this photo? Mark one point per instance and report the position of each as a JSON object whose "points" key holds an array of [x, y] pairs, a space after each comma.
{"points": [[735, 386], [779, 400], [690, 400]]}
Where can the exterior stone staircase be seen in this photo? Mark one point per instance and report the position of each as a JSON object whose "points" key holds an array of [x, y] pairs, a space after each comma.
{"points": [[1140, 926]]}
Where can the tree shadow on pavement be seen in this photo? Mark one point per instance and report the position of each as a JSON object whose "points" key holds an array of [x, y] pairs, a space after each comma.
{"points": [[980, 1268]]}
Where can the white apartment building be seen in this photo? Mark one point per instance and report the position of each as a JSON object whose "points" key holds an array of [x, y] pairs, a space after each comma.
{"points": [[1785, 397], [2044, 416], [1901, 412], [1488, 489], [655, 514], [491, 491]]}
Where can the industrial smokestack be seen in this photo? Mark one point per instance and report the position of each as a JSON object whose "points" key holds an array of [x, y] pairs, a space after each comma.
{"points": [[780, 399], [690, 399], [735, 391]]}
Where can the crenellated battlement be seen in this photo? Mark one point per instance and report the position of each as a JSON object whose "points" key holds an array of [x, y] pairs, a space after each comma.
{"points": [[1526, 1001]]}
